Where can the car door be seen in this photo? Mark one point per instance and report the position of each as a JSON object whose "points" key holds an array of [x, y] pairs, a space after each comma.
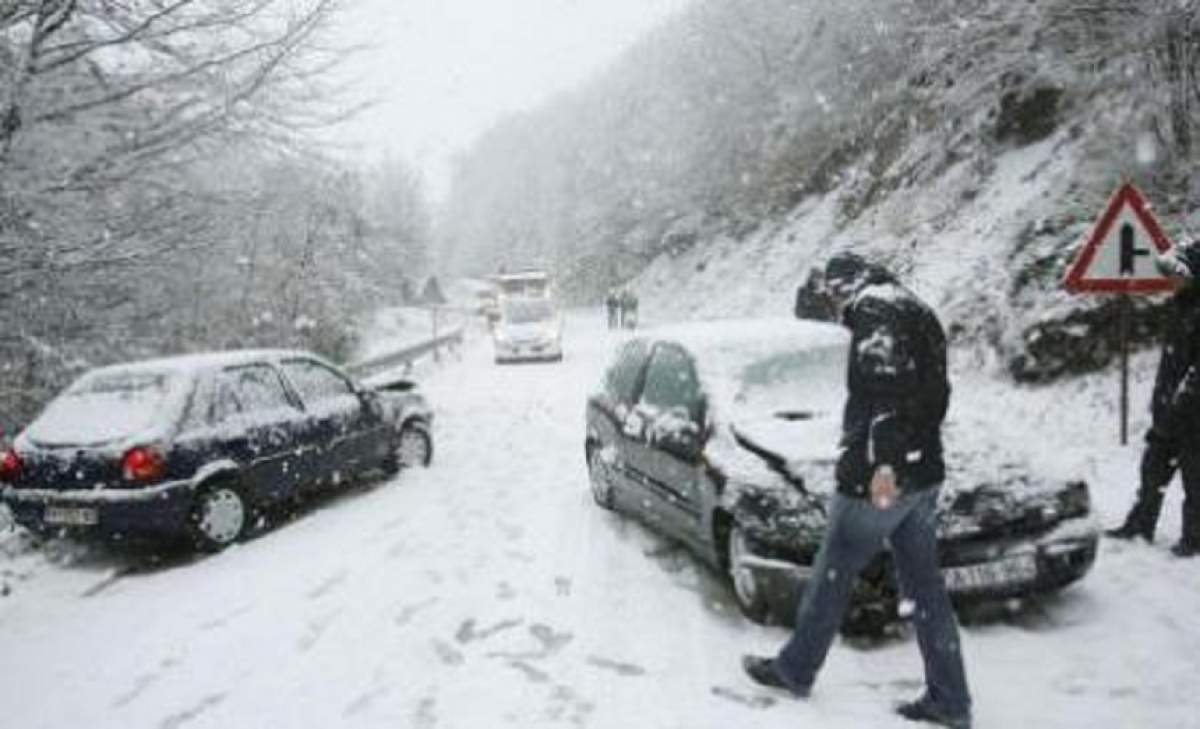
{"points": [[261, 426], [665, 454], [346, 433], [608, 412]]}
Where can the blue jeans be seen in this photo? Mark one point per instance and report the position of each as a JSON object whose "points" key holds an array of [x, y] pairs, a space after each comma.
{"points": [[856, 533]]}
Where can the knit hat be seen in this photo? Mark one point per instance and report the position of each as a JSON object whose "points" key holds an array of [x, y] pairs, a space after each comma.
{"points": [[844, 268]]}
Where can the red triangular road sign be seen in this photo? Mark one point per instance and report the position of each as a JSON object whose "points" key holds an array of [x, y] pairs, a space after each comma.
{"points": [[1119, 255]]}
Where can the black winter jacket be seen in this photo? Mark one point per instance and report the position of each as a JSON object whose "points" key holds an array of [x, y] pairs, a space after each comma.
{"points": [[898, 391], [1175, 406]]}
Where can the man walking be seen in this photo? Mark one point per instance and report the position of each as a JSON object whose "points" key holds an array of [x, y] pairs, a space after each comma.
{"points": [[888, 475], [1173, 442]]}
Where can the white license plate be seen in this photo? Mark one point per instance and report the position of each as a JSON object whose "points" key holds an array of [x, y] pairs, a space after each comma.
{"points": [[1011, 570], [70, 516]]}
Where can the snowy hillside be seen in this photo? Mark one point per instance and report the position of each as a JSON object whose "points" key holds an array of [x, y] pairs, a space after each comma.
{"points": [[963, 241]]}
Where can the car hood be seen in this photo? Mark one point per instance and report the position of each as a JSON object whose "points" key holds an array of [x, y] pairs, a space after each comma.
{"points": [[780, 477], [778, 470]]}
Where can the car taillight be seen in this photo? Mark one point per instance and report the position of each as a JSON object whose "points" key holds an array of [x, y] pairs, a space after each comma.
{"points": [[10, 465], [143, 464]]}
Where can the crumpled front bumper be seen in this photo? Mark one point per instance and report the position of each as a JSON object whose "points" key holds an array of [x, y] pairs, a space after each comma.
{"points": [[1045, 562], [1049, 561]]}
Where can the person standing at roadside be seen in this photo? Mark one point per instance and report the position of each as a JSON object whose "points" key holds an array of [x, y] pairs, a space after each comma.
{"points": [[612, 304], [888, 478], [1173, 441], [629, 309]]}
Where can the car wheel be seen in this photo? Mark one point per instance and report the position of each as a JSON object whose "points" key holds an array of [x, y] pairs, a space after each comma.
{"points": [[219, 517], [414, 447], [600, 476], [748, 591], [868, 621]]}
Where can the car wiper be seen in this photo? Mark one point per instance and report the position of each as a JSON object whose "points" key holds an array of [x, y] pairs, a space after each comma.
{"points": [[776, 463]]}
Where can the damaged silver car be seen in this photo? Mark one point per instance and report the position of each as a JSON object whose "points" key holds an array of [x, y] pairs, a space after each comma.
{"points": [[723, 436]]}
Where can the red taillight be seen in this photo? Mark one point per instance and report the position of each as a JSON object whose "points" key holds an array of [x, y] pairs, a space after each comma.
{"points": [[10, 465], [143, 464]]}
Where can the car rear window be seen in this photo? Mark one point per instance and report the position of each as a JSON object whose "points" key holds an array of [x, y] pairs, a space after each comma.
{"points": [[103, 408]]}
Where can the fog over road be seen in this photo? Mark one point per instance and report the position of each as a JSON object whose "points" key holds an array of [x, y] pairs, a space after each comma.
{"points": [[489, 591]]}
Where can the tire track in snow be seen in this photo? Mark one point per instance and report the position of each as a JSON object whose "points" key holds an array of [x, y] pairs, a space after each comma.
{"points": [[175, 721]]}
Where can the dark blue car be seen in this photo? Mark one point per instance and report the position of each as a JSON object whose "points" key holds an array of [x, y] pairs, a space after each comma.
{"points": [[193, 445]]}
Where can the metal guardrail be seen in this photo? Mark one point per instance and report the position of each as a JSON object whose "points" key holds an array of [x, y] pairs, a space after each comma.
{"points": [[406, 356]]}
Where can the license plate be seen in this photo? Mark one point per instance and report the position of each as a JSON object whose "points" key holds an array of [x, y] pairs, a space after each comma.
{"points": [[1007, 571], [70, 516]]}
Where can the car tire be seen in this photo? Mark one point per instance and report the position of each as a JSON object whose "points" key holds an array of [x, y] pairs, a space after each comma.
{"points": [[414, 446], [219, 517], [600, 478], [748, 590], [868, 621]]}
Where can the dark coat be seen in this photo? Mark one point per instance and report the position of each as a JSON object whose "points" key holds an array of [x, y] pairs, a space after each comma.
{"points": [[898, 391], [1175, 406]]}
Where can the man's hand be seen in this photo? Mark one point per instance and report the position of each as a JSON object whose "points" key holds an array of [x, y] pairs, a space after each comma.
{"points": [[883, 487]]}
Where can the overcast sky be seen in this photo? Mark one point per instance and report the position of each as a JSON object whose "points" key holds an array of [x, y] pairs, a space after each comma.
{"points": [[443, 71]]}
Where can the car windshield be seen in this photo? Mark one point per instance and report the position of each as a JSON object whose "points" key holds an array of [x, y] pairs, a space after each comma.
{"points": [[528, 312], [103, 408]]}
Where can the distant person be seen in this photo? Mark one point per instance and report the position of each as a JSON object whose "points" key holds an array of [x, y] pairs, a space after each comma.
{"points": [[888, 478], [613, 304], [1173, 441], [629, 309]]}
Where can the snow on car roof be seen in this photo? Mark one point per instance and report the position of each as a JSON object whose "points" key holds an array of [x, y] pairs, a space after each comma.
{"points": [[86, 415], [736, 356], [191, 363], [780, 381], [753, 369], [726, 343]]}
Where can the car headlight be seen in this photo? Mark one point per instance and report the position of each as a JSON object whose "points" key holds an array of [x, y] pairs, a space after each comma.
{"points": [[1075, 500]]}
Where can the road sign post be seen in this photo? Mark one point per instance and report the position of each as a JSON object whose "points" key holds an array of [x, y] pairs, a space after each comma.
{"points": [[1118, 258], [1126, 305]]}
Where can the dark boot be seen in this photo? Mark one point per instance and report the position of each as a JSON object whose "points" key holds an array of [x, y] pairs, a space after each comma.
{"points": [[1141, 520], [1129, 530], [762, 671], [1185, 548], [923, 709]]}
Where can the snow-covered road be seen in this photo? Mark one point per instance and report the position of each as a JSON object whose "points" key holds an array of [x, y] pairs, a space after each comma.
{"points": [[488, 591]]}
